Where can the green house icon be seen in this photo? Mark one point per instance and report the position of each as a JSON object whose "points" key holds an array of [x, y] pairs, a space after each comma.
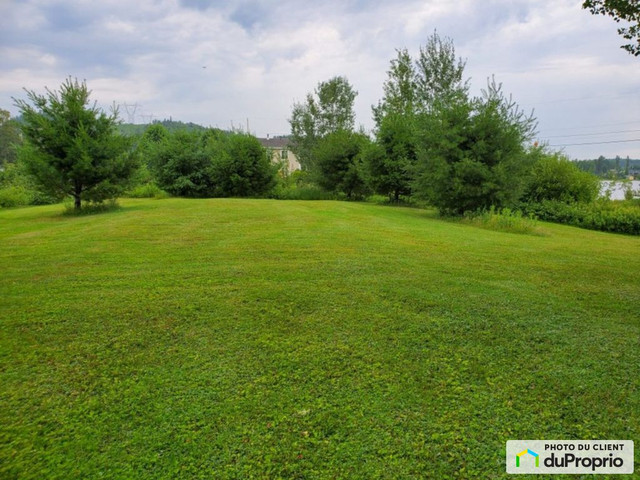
{"points": [[530, 452]]}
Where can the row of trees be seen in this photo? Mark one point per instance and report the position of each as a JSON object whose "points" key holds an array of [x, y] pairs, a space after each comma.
{"points": [[432, 139], [610, 168], [70, 147]]}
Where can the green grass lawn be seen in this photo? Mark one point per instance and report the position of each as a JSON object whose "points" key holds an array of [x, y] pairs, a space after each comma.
{"points": [[222, 339]]}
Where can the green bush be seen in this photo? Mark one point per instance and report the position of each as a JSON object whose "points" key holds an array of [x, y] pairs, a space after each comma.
{"points": [[147, 190], [309, 192], [182, 163], [603, 215], [554, 177], [244, 170], [339, 164], [389, 163], [212, 163], [298, 186], [15, 196], [17, 189]]}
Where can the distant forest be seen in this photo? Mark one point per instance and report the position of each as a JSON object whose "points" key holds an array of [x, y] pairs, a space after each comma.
{"points": [[611, 167], [132, 129]]}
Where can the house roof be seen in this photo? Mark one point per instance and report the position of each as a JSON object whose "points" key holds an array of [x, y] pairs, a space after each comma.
{"points": [[277, 142]]}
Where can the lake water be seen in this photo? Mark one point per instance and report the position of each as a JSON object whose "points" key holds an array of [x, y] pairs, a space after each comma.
{"points": [[618, 189]]}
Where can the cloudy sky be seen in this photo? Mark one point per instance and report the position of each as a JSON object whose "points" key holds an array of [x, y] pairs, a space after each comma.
{"points": [[229, 63]]}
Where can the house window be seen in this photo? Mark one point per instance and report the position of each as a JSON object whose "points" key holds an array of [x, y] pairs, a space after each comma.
{"points": [[285, 154]]}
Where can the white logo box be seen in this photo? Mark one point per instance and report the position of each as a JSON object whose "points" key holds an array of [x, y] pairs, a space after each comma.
{"points": [[569, 456]]}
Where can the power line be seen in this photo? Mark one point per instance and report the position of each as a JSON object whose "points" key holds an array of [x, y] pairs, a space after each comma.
{"points": [[591, 134], [598, 126], [595, 143], [580, 99]]}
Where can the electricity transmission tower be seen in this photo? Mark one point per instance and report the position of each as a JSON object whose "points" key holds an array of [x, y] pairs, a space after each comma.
{"points": [[131, 111]]}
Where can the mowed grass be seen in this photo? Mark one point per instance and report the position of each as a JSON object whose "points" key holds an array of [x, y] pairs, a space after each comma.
{"points": [[233, 339]]}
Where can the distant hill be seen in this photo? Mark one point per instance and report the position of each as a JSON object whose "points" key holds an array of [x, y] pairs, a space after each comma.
{"points": [[134, 129]]}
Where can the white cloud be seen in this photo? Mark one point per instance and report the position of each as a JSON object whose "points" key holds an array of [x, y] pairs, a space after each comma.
{"points": [[261, 57], [120, 27], [422, 16]]}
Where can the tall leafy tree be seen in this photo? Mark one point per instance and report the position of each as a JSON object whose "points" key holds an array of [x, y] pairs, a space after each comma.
{"points": [[304, 131], [439, 74], [329, 109], [625, 11], [412, 90], [415, 87], [626, 166], [335, 106], [389, 164], [72, 147], [399, 89]]}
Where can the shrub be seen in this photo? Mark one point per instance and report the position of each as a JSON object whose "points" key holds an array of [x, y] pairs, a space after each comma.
{"points": [[147, 190], [17, 189], [211, 164], [298, 186], [603, 215], [554, 177], [339, 165], [182, 164], [504, 220], [15, 196], [245, 170], [309, 192]]}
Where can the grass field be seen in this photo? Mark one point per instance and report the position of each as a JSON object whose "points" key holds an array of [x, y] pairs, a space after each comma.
{"points": [[222, 339]]}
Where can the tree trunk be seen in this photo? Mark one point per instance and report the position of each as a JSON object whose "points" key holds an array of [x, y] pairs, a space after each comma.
{"points": [[77, 197]]}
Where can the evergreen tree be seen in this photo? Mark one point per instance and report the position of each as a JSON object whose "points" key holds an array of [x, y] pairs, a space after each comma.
{"points": [[472, 152], [72, 147]]}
